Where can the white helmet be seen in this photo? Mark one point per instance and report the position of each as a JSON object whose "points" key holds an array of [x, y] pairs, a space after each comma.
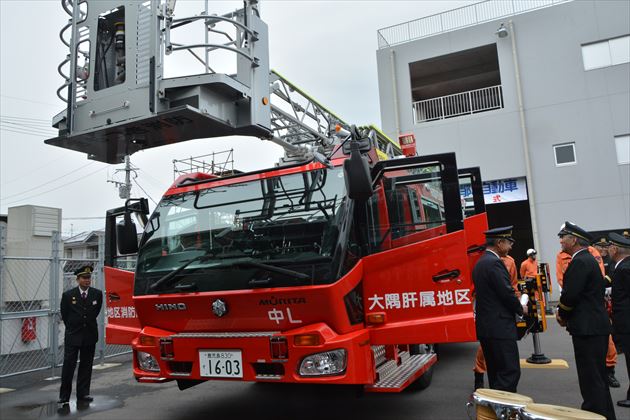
{"points": [[531, 251]]}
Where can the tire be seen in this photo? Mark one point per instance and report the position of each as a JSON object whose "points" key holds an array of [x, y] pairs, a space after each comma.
{"points": [[423, 381]]}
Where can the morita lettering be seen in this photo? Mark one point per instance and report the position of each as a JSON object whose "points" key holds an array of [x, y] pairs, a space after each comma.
{"points": [[273, 301]]}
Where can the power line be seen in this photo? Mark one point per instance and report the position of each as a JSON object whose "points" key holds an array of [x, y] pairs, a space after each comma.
{"points": [[26, 127], [49, 182], [84, 218], [24, 132], [55, 189], [139, 186], [29, 124], [27, 121], [30, 100], [39, 168], [12, 117]]}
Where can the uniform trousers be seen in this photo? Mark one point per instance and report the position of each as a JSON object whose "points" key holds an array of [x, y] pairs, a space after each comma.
{"points": [[623, 340], [590, 361], [502, 362], [84, 375]]}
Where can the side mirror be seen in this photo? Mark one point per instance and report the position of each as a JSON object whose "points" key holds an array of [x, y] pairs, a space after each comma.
{"points": [[127, 236], [364, 145], [357, 175]]}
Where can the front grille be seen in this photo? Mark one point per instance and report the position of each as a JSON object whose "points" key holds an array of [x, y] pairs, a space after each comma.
{"points": [[180, 368], [268, 369]]}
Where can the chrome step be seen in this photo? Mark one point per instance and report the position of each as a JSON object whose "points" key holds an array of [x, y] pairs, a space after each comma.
{"points": [[379, 355], [395, 377]]}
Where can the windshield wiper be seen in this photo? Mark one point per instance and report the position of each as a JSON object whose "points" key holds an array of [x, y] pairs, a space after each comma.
{"points": [[166, 280], [272, 268]]}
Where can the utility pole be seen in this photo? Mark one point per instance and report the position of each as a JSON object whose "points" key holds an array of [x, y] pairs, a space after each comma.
{"points": [[124, 188]]}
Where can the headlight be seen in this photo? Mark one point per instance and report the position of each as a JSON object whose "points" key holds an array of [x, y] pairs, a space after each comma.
{"points": [[327, 363], [147, 362]]}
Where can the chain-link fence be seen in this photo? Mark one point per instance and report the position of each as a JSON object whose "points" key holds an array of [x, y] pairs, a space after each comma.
{"points": [[31, 329]]}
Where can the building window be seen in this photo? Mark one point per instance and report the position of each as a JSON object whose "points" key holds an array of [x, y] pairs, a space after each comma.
{"points": [[606, 53], [92, 252], [622, 144], [565, 154]]}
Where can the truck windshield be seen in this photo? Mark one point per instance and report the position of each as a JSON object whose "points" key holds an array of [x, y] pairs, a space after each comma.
{"points": [[273, 232]]}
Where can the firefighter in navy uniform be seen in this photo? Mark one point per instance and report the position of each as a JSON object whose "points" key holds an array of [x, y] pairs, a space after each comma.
{"points": [[582, 311], [619, 251], [496, 306], [602, 246], [79, 308]]}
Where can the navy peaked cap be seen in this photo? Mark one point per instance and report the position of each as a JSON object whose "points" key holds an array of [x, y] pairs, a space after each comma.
{"points": [[500, 233], [86, 270], [601, 242], [569, 228], [619, 240]]}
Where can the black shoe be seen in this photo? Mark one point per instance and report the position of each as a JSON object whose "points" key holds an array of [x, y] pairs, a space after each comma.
{"points": [[478, 380], [62, 401], [612, 381], [624, 403], [87, 398]]}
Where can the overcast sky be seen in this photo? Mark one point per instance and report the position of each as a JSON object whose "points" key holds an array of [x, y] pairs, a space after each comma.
{"points": [[328, 48]]}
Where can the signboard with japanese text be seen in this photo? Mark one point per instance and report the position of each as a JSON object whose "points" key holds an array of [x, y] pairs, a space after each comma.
{"points": [[499, 191]]}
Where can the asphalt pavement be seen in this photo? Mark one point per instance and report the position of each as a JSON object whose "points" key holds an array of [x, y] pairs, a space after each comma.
{"points": [[118, 396]]}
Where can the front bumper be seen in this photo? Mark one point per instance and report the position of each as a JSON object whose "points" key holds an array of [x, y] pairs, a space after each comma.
{"points": [[258, 362]]}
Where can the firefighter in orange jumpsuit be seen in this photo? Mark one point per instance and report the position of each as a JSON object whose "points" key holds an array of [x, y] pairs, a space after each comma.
{"points": [[562, 261], [529, 267], [480, 362]]}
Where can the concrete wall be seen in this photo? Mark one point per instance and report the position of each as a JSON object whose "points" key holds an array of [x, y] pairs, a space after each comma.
{"points": [[562, 103]]}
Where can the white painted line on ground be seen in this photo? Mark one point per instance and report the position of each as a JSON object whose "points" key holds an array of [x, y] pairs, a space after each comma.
{"points": [[5, 390], [105, 366], [52, 378]]}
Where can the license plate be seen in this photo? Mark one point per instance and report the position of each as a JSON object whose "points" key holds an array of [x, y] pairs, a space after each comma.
{"points": [[221, 363]]}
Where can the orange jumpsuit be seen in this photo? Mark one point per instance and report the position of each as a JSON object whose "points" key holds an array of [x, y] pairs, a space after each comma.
{"points": [[510, 264], [562, 261], [529, 268]]}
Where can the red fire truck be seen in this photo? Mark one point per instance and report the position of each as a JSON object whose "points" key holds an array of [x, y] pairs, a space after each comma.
{"points": [[347, 274], [345, 264]]}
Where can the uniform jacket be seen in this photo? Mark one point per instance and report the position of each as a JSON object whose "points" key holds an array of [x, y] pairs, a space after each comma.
{"points": [[563, 259], [582, 298], [621, 297], [496, 303], [79, 316]]}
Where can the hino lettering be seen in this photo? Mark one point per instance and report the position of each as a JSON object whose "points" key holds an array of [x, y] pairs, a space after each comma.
{"points": [[170, 306]]}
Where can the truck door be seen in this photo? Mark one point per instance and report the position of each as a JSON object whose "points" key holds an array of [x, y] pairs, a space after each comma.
{"points": [[122, 319], [420, 283], [475, 220]]}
